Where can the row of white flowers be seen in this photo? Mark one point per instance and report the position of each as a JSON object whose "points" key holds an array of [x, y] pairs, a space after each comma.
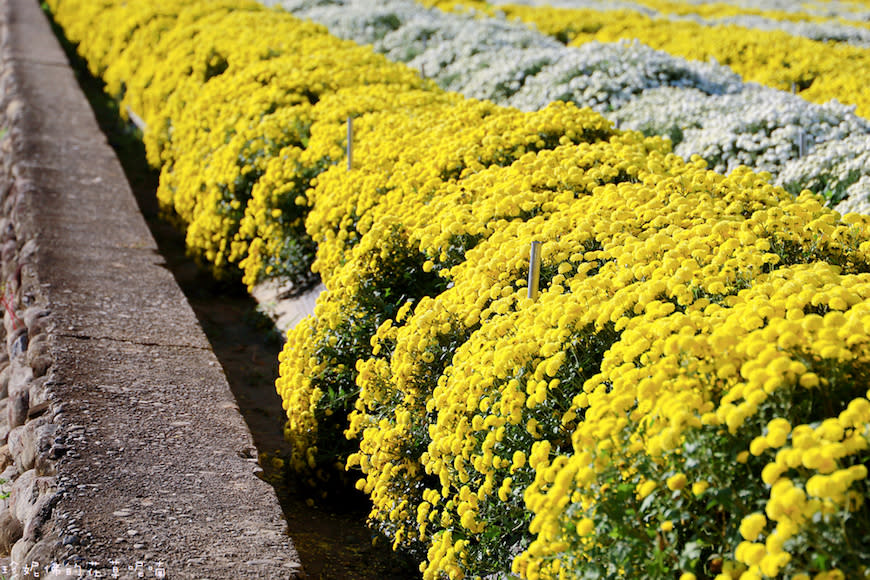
{"points": [[704, 108], [758, 127]]}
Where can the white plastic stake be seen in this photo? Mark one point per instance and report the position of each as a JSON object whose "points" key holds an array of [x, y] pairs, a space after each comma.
{"points": [[137, 120], [534, 270], [349, 143], [802, 143]]}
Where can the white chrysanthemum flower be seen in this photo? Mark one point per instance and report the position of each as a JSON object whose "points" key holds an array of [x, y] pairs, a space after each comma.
{"points": [[857, 197], [483, 77], [831, 169], [351, 20], [761, 128], [465, 46], [606, 76]]}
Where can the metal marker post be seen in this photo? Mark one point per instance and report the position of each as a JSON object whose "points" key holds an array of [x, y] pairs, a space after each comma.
{"points": [[802, 143], [534, 270], [349, 143]]}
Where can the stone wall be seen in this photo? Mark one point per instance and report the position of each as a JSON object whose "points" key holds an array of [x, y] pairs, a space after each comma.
{"points": [[122, 449], [28, 408]]}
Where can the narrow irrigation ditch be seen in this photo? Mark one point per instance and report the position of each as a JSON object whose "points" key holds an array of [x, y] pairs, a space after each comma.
{"points": [[329, 533]]}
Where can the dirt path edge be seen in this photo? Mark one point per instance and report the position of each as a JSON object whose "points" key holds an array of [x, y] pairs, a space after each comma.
{"points": [[126, 455]]}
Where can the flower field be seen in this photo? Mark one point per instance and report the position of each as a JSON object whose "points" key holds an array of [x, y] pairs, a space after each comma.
{"points": [[703, 108], [687, 395], [775, 58]]}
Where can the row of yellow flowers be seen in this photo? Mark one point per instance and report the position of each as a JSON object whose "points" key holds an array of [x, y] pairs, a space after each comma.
{"points": [[239, 119], [711, 10], [641, 411], [688, 394], [818, 71]]}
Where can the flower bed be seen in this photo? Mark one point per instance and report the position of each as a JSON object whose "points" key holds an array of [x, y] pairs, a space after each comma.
{"points": [[703, 108], [688, 393], [821, 71]]}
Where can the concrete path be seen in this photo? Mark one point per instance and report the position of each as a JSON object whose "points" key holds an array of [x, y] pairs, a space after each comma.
{"points": [[151, 468]]}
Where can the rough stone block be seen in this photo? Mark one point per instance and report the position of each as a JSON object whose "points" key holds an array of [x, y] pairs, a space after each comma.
{"points": [[11, 530], [20, 550], [46, 432], [23, 495], [40, 365], [38, 404], [4, 381], [9, 202], [37, 347], [4, 423], [27, 252], [29, 440], [20, 444], [14, 109], [35, 319], [8, 250], [16, 409], [5, 457], [41, 515], [20, 376], [16, 342], [46, 550], [46, 464], [7, 475]]}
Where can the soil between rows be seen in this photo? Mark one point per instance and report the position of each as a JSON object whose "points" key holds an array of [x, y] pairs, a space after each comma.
{"points": [[329, 533]]}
